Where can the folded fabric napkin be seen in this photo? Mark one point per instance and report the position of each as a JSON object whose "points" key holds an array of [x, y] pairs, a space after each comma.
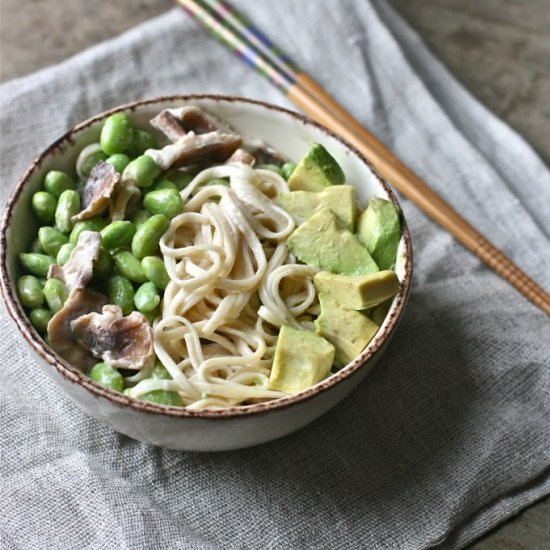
{"points": [[450, 433]]}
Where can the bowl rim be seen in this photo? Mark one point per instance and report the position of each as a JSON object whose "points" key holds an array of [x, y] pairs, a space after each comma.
{"points": [[73, 375]]}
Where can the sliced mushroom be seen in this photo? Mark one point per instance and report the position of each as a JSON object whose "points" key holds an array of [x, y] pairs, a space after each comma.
{"points": [[241, 155], [123, 342], [192, 147], [175, 123], [78, 271], [96, 192], [263, 153], [60, 333]]}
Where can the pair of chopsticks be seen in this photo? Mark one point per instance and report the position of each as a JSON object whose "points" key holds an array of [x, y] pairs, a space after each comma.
{"points": [[256, 50]]}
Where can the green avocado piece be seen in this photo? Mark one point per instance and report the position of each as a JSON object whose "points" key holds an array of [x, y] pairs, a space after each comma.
{"points": [[358, 291], [339, 198], [379, 229], [322, 243], [301, 360], [378, 313], [316, 170], [348, 330]]}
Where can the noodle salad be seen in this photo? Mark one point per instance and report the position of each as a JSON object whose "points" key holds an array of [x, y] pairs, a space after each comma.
{"points": [[187, 265]]}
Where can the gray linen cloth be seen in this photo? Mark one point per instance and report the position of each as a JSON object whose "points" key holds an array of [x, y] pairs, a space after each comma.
{"points": [[450, 433]]}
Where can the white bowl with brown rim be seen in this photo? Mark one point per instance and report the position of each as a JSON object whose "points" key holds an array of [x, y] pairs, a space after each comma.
{"points": [[176, 427]]}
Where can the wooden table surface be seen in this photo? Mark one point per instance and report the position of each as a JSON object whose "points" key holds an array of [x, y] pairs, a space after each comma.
{"points": [[499, 49]]}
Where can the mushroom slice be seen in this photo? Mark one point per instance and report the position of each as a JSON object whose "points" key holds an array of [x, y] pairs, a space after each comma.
{"points": [[175, 123], [192, 147], [122, 342], [96, 192], [263, 153], [241, 155], [78, 271], [80, 302]]}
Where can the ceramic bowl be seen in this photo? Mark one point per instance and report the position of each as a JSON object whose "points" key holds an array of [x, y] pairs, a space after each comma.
{"points": [[173, 427]]}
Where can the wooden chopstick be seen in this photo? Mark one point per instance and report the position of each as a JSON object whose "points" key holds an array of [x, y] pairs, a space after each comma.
{"points": [[251, 46]]}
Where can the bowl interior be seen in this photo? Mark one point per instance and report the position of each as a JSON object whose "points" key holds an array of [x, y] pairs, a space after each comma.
{"points": [[287, 132]]}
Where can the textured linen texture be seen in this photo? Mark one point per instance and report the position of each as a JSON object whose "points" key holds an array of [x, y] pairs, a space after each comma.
{"points": [[450, 433]]}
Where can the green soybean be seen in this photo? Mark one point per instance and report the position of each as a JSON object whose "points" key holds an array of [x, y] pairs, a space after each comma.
{"points": [[162, 397], [148, 234], [142, 171], [181, 179], [119, 161], [44, 205], [36, 264], [64, 253], [51, 240], [129, 266], [146, 298], [107, 376], [40, 317], [287, 168], [92, 224], [104, 263], [56, 294], [271, 167], [141, 141], [30, 291], [139, 217], [163, 201], [155, 270], [121, 293], [116, 134], [68, 206], [152, 315], [91, 160], [217, 181], [163, 183], [117, 234], [37, 247], [56, 182], [159, 371]]}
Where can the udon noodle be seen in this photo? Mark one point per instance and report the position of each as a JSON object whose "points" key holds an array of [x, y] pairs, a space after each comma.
{"points": [[226, 250]]}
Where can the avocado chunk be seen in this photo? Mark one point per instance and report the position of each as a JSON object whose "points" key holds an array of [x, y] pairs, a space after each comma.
{"points": [[322, 243], [301, 360], [358, 291], [339, 198], [379, 229], [348, 330], [378, 313], [316, 170]]}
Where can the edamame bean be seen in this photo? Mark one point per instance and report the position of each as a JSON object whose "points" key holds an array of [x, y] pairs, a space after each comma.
{"points": [[163, 201], [117, 234], [56, 182], [121, 293], [30, 291], [119, 161], [146, 298], [129, 266], [91, 160], [68, 206], [107, 376], [287, 168], [164, 184], [152, 315], [116, 134], [40, 317], [141, 141], [142, 171], [272, 167], [155, 271], [51, 240], [44, 205], [56, 294], [162, 397], [37, 247], [64, 253], [104, 263], [159, 371], [217, 181], [181, 179], [148, 234], [36, 264], [93, 224], [141, 216]]}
